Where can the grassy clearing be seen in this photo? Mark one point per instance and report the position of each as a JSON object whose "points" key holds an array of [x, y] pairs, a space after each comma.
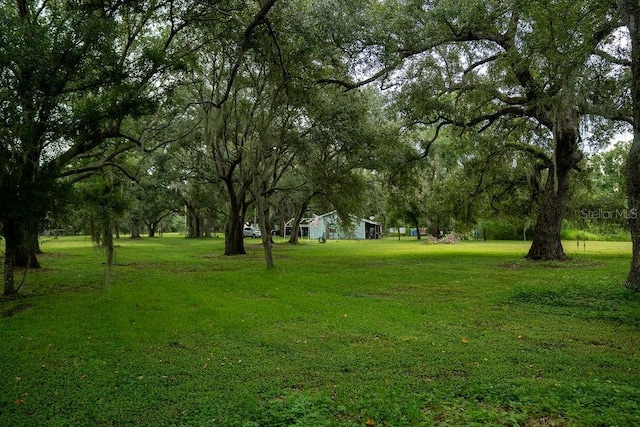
{"points": [[349, 333]]}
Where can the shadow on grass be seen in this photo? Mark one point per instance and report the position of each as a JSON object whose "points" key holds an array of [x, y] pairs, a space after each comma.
{"points": [[569, 263], [15, 310], [611, 304]]}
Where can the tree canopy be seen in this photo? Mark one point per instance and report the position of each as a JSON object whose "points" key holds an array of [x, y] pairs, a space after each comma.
{"points": [[456, 111]]}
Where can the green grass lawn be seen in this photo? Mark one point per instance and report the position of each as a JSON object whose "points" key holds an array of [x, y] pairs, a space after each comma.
{"points": [[348, 333]]}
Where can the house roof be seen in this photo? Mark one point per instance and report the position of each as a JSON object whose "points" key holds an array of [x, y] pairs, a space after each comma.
{"points": [[303, 221], [308, 221], [334, 212]]}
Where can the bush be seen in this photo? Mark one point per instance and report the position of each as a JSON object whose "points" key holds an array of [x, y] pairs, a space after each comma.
{"points": [[503, 230], [612, 236]]}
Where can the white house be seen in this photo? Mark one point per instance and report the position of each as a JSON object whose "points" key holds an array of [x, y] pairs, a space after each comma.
{"points": [[329, 226]]}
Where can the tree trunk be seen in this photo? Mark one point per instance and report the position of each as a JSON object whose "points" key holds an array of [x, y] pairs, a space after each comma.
{"points": [[154, 226], [9, 256], [190, 228], [27, 253], [22, 239], [135, 230], [417, 224], [295, 228], [547, 244], [630, 12], [107, 243], [194, 223], [9, 285], [264, 213], [435, 229], [208, 227], [547, 234], [20, 250], [34, 232], [234, 236], [633, 195], [282, 217]]}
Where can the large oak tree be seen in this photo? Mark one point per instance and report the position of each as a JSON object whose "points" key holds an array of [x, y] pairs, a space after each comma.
{"points": [[70, 74], [480, 65], [630, 12]]}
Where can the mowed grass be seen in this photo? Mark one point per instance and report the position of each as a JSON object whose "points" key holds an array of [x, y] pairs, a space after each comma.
{"points": [[348, 333]]}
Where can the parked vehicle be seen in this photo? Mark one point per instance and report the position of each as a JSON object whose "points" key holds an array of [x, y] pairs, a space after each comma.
{"points": [[251, 232]]}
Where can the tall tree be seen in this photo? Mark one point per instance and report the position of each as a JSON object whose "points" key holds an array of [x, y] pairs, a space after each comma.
{"points": [[269, 154], [70, 74], [630, 12], [478, 64], [226, 111], [511, 61]]}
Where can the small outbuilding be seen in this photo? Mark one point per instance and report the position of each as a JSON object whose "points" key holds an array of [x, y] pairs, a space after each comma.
{"points": [[330, 227]]}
